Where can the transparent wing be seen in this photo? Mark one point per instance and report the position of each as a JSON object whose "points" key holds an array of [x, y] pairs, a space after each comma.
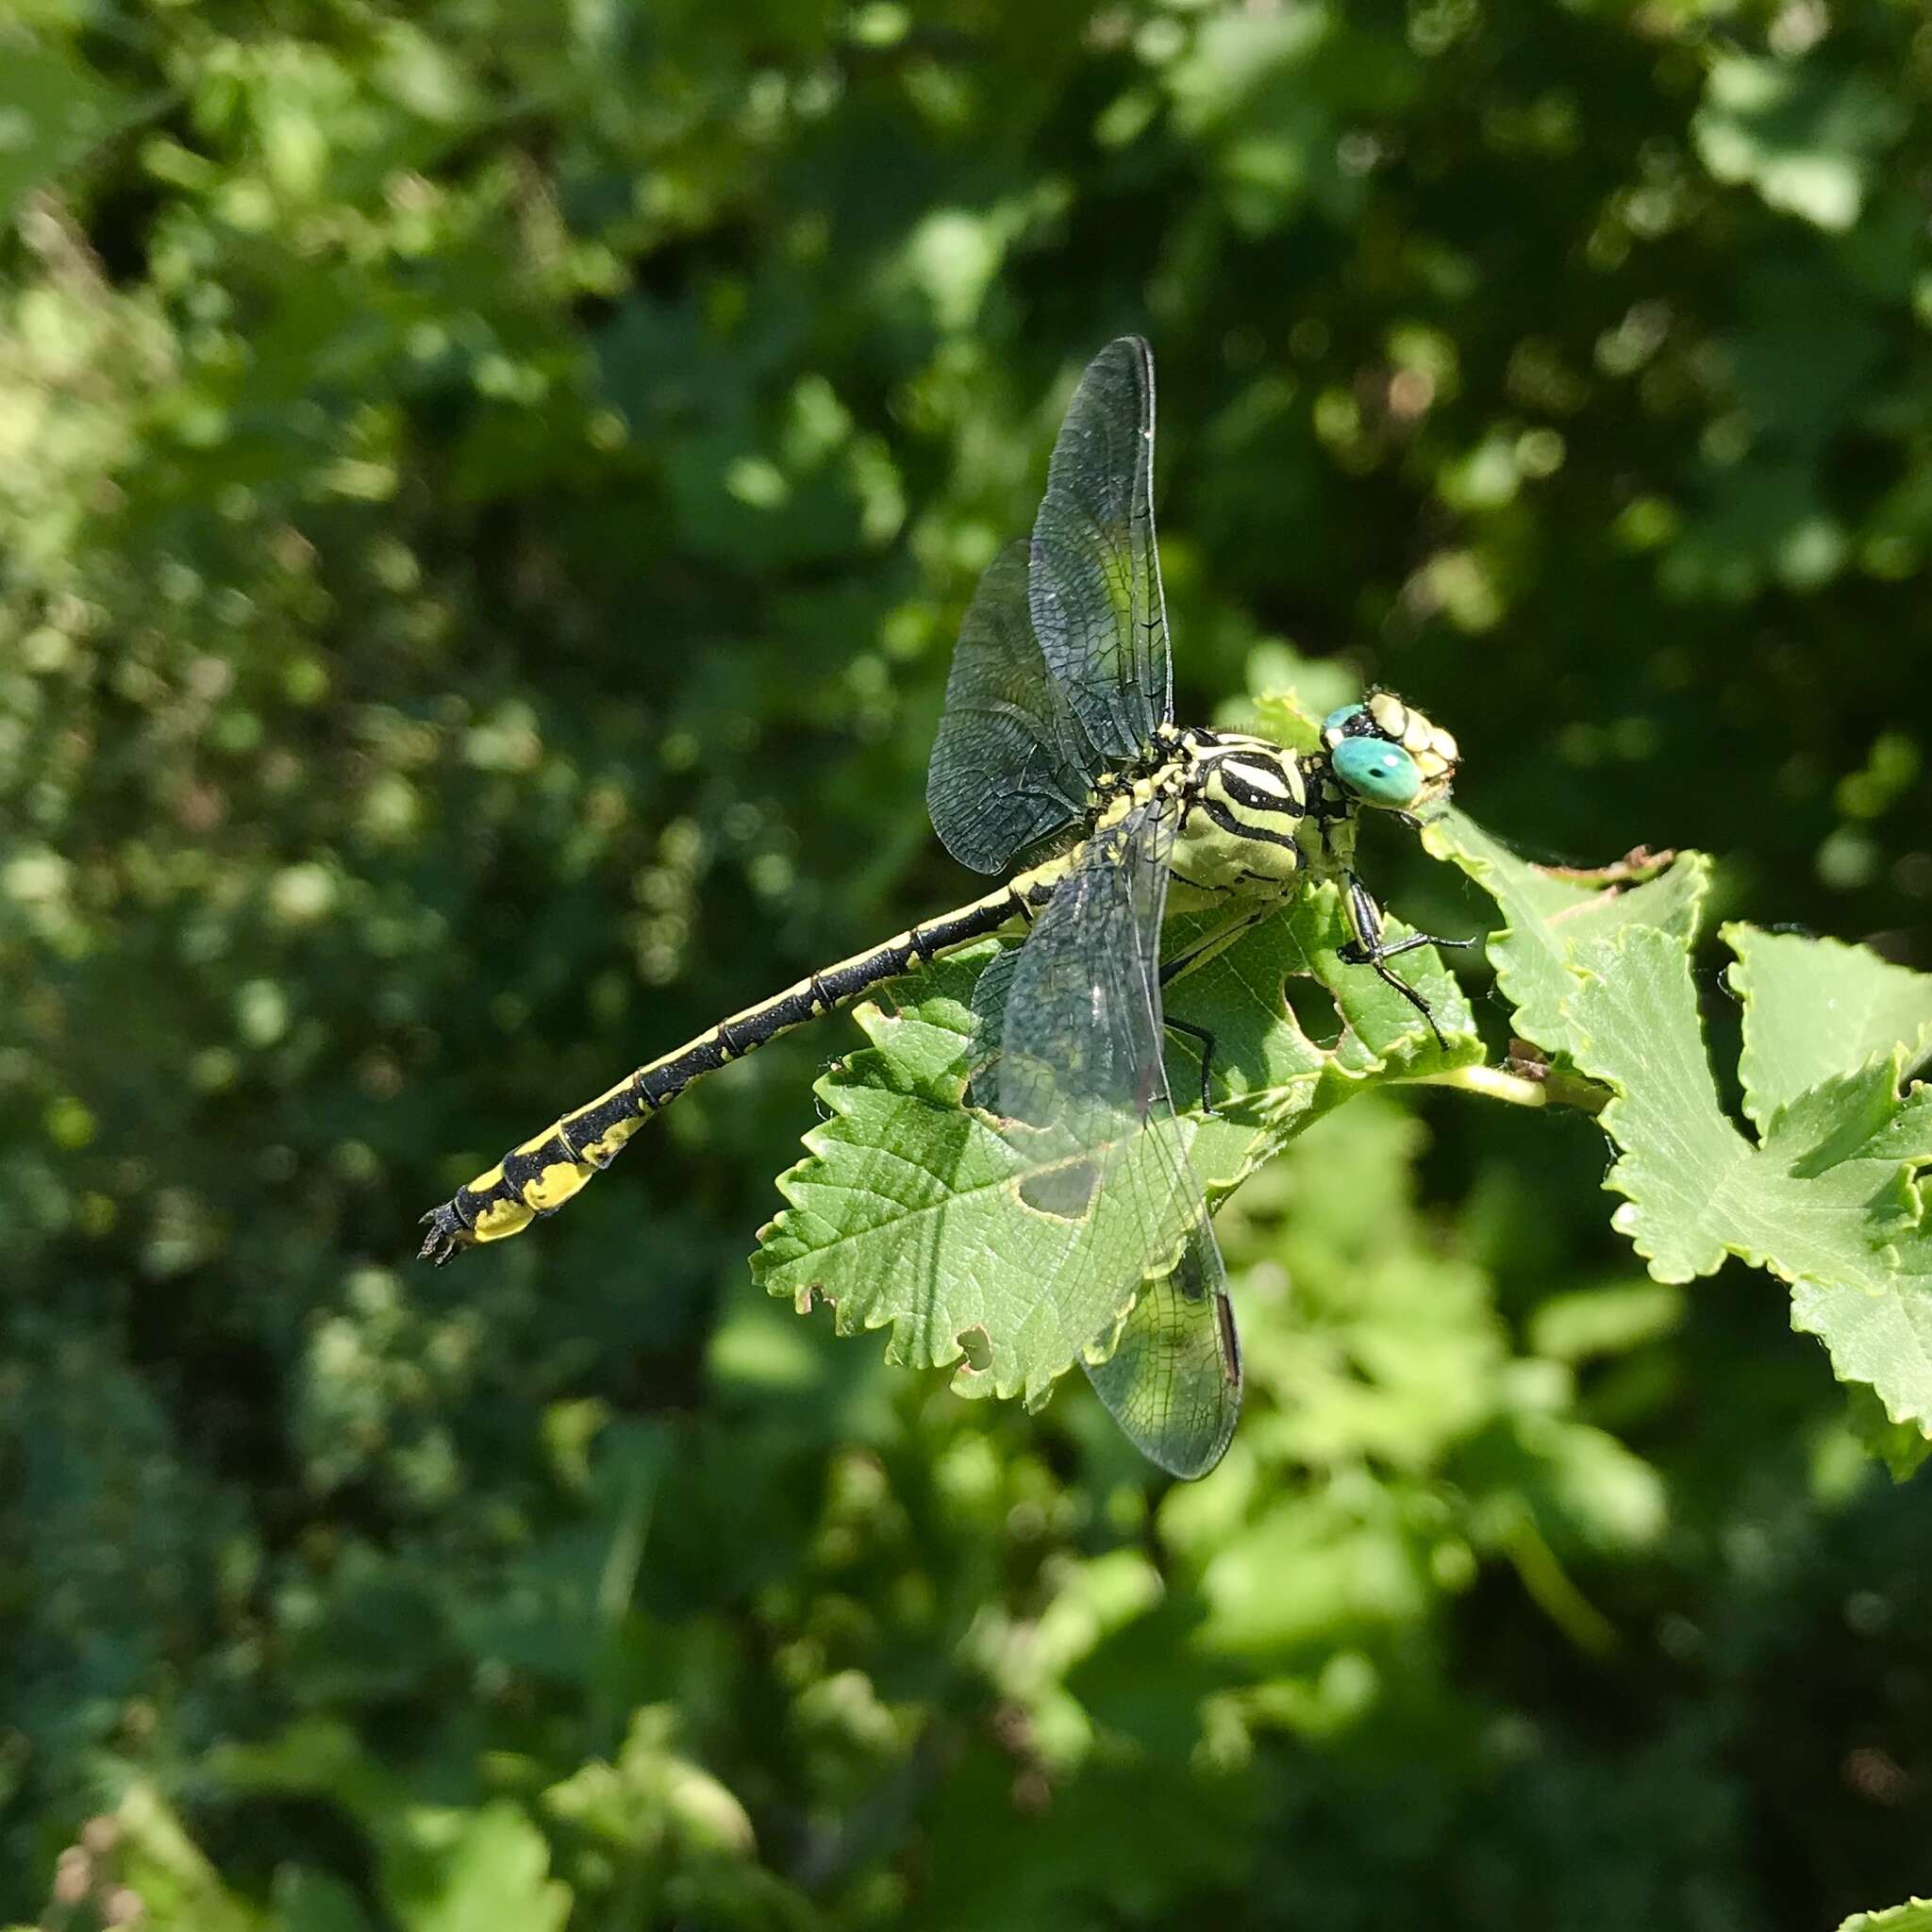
{"points": [[1174, 1381], [989, 993], [1010, 764], [1081, 1074], [1096, 581]]}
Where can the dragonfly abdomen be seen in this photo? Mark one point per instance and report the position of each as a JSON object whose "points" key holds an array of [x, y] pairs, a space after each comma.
{"points": [[540, 1175]]}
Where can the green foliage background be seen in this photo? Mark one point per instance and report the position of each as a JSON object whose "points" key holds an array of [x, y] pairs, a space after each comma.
{"points": [[486, 490]]}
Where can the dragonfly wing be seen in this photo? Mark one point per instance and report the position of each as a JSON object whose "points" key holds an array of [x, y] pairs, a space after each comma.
{"points": [[1174, 1380], [989, 993], [1082, 1076], [1095, 580], [1010, 764]]}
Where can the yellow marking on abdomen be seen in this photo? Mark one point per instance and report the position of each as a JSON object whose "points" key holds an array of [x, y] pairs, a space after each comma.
{"points": [[501, 1219], [515, 1206]]}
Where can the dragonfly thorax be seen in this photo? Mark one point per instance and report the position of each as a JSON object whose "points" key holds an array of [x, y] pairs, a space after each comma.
{"points": [[1245, 799]]}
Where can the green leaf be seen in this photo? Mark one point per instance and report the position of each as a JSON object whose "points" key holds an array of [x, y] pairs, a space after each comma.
{"points": [[51, 109], [1903, 1447], [1825, 1198], [1278, 714], [1825, 1195], [174, 1877], [1548, 911], [906, 1214], [443, 1869], [1605, 1319], [1804, 139], [1816, 1007], [453, 1871], [309, 1901], [652, 1797], [1915, 1915]]}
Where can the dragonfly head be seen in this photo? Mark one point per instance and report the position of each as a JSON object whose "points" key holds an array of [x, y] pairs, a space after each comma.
{"points": [[1385, 752]]}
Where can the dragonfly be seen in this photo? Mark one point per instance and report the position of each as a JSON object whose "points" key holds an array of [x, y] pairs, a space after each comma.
{"points": [[1058, 737]]}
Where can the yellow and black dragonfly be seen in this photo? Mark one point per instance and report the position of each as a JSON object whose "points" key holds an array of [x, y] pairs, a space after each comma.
{"points": [[1058, 722]]}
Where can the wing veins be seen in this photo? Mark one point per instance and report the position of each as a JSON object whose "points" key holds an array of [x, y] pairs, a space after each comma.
{"points": [[1082, 1067]]}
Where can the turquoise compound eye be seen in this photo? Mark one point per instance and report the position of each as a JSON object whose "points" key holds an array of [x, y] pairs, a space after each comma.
{"points": [[1377, 772], [1336, 718]]}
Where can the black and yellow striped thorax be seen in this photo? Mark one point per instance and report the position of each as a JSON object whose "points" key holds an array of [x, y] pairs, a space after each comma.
{"points": [[1257, 819]]}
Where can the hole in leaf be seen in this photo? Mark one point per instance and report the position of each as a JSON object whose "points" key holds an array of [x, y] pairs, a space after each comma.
{"points": [[978, 1347], [1313, 1008], [1062, 1191]]}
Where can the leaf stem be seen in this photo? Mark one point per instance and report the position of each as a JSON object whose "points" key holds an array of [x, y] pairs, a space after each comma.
{"points": [[1525, 1083], [1495, 1082]]}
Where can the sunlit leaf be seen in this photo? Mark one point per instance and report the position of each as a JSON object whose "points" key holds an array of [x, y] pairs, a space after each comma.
{"points": [[1825, 1194], [907, 1212], [1915, 1915]]}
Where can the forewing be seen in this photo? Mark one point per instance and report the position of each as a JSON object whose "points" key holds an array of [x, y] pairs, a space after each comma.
{"points": [[1082, 1076], [1010, 764], [1095, 580]]}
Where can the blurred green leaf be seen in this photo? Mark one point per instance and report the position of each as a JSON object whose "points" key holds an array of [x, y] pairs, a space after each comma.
{"points": [[53, 107], [1902, 1446], [1804, 139], [650, 1794], [467, 1872], [312, 1902], [1605, 1319]]}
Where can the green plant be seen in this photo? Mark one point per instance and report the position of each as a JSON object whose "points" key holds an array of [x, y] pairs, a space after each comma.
{"points": [[428, 438], [906, 1214]]}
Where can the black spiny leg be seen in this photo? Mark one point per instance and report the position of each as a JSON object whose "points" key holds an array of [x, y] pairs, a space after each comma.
{"points": [[1205, 1040], [1212, 944], [1367, 949]]}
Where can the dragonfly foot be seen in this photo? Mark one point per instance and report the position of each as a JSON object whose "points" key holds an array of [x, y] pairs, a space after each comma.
{"points": [[1357, 954], [446, 1237], [1205, 1040]]}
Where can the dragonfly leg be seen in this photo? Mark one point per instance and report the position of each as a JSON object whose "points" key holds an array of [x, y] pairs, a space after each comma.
{"points": [[1368, 948], [1412, 941], [1217, 941], [1205, 1040]]}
